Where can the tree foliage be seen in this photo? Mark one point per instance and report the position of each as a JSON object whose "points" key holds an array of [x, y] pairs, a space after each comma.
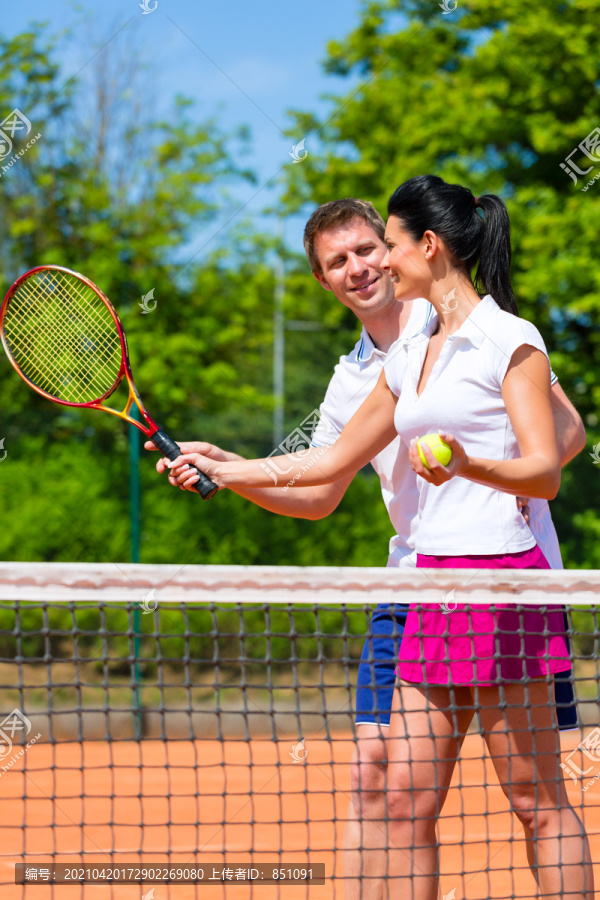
{"points": [[494, 96], [111, 192]]}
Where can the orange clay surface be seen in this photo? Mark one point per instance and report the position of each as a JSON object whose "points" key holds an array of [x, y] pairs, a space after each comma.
{"points": [[211, 802]]}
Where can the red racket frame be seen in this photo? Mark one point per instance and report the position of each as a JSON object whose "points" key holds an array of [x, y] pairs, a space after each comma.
{"points": [[124, 371], [205, 487]]}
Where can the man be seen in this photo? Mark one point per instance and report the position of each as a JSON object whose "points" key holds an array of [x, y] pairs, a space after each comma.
{"points": [[344, 244]]}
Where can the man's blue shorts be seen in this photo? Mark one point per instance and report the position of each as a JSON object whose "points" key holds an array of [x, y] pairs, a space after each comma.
{"points": [[377, 672]]}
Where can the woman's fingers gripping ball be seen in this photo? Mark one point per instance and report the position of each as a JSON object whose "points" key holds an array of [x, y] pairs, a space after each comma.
{"points": [[437, 457]]}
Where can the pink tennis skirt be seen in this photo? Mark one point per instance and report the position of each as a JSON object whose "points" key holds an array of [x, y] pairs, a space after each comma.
{"points": [[483, 645]]}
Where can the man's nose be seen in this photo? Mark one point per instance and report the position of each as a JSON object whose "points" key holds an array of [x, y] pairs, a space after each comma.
{"points": [[356, 265]]}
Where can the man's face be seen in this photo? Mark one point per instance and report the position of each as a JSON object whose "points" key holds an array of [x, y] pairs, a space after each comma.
{"points": [[350, 258]]}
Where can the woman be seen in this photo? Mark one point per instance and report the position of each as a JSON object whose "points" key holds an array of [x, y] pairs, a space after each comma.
{"points": [[481, 376]]}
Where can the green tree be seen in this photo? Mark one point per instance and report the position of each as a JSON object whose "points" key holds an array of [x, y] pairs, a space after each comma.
{"points": [[494, 96], [112, 193]]}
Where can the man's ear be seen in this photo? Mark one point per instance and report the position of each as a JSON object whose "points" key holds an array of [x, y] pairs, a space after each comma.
{"points": [[322, 280]]}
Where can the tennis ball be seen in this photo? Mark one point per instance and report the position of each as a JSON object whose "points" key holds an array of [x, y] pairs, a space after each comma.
{"points": [[438, 447]]}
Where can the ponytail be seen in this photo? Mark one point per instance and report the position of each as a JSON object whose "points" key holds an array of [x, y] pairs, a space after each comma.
{"points": [[428, 203], [493, 267]]}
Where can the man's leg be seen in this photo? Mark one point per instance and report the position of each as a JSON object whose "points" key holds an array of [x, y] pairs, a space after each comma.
{"points": [[365, 838], [564, 693]]}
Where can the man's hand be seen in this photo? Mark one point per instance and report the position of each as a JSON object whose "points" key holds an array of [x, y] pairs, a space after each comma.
{"points": [[523, 506], [203, 448]]}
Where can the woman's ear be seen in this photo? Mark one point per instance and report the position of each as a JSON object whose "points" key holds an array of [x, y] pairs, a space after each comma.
{"points": [[430, 244]]}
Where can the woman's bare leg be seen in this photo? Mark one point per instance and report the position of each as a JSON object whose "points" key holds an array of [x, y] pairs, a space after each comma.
{"points": [[524, 745], [427, 729]]}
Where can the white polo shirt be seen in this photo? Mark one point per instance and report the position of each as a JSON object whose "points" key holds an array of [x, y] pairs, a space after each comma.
{"points": [[463, 396], [542, 528], [354, 378]]}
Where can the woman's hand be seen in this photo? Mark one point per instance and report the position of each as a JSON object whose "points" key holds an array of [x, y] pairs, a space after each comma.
{"points": [[182, 474], [203, 448], [437, 473]]}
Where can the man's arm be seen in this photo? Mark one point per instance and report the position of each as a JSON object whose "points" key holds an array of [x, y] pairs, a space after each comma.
{"points": [[570, 435], [570, 431], [300, 503]]}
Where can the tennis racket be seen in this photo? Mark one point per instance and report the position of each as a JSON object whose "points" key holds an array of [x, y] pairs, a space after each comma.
{"points": [[64, 338]]}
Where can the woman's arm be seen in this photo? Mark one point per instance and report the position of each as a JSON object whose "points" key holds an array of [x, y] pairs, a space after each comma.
{"points": [[526, 394], [367, 433], [570, 430], [306, 503]]}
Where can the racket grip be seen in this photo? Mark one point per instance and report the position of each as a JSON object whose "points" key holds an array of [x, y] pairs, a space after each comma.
{"points": [[205, 487]]}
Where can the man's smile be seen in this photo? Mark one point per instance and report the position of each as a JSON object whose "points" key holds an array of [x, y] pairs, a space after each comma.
{"points": [[363, 286]]}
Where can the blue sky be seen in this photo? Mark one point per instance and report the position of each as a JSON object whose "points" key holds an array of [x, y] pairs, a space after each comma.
{"points": [[246, 63]]}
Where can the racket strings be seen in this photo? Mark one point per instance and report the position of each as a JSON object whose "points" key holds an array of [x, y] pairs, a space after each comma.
{"points": [[95, 328], [54, 342], [63, 337], [48, 343], [44, 363]]}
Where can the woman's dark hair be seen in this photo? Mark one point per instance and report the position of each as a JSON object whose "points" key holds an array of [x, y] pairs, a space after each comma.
{"points": [[428, 203]]}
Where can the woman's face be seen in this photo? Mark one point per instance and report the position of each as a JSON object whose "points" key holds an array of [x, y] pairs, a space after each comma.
{"points": [[406, 261]]}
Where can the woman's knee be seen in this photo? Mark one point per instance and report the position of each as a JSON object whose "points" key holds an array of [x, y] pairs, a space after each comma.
{"points": [[410, 795], [405, 803], [533, 813], [377, 785]]}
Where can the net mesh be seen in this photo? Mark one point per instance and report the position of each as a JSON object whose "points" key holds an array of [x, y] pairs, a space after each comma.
{"points": [[62, 336], [224, 735]]}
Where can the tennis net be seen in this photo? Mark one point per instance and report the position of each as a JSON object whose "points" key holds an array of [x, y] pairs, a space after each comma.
{"points": [[192, 732]]}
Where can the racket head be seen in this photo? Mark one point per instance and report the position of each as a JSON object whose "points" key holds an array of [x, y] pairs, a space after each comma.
{"points": [[63, 336]]}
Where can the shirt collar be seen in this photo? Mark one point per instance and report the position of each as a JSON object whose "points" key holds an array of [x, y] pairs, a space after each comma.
{"points": [[423, 336], [366, 348], [475, 328]]}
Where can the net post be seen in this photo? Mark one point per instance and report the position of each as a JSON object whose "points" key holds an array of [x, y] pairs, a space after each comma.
{"points": [[135, 533]]}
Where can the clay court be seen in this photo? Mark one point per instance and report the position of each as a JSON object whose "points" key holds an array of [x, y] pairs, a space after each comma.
{"points": [[268, 803]]}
